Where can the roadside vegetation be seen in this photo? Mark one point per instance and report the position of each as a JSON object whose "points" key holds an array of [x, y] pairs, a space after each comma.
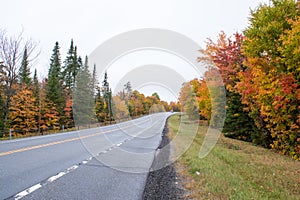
{"points": [[234, 169], [261, 75]]}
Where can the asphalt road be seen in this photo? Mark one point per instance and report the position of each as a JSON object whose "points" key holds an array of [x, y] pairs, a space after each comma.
{"points": [[110, 162]]}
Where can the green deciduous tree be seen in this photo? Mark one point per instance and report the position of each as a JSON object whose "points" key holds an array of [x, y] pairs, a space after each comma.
{"points": [[267, 24], [290, 49]]}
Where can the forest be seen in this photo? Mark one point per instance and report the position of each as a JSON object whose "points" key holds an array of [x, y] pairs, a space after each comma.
{"points": [[69, 96]]}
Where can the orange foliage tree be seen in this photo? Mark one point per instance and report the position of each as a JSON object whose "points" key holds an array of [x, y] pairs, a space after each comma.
{"points": [[270, 84], [23, 111]]}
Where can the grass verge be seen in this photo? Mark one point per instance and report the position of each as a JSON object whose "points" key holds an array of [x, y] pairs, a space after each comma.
{"points": [[234, 169]]}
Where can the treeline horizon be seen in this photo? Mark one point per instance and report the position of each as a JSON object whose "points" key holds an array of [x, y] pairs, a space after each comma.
{"points": [[69, 96]]}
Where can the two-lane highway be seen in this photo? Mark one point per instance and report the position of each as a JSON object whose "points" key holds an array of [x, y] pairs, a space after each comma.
{"points": [[109, 162]]}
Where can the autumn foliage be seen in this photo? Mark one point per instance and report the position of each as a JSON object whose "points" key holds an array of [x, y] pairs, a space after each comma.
{"points": [[261, 73]]}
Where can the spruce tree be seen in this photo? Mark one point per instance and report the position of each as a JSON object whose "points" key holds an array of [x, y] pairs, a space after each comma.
{"points": [[107, 96], [36, 94], [24, 72], [94, 81], [36, 87], [54, 91], [71, 68], [83, 104], [238, 124]]}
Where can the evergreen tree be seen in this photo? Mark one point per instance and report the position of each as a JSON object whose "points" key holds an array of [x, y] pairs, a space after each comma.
{"points": [[156, 95], [99, 106], [24, 72], [128, 88], [80, 65], [238, 124], [36, 87], [36, 95], [84, 101], [127, 91], [94, 81], [54, 91], [71, 67], [107, 96]]}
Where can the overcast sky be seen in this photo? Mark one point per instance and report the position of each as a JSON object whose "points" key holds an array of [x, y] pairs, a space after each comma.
{"points": [[92, 22]]}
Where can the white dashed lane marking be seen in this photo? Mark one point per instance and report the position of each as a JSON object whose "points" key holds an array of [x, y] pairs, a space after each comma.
{"points": [[61, 174], [27, 191]]}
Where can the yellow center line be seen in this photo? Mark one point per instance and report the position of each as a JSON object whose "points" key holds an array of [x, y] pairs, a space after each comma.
{"points": [[60, 142]]}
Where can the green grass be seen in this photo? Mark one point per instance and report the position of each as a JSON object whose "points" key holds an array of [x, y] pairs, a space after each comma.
{"points": [[234, 169]]}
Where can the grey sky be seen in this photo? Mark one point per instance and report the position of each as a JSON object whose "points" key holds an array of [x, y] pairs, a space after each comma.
{"points": [[92, 22]]}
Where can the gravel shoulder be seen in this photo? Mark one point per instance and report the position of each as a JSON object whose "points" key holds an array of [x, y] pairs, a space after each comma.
{"points": [[163, 183]]}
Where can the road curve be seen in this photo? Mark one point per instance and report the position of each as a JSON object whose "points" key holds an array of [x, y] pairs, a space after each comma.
{"points": [[109, 162]]}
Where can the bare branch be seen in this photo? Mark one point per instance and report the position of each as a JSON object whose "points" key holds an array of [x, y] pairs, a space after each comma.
{"points": [[11, 53]]}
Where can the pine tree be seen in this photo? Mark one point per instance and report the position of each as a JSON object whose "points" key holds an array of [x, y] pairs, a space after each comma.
{"points": [[107, 96], [54, 91], [94, 81], [71, 68], [36, 94], [127, 91], [83, 105], [36, 87], [24, 71], [238, 123]]}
